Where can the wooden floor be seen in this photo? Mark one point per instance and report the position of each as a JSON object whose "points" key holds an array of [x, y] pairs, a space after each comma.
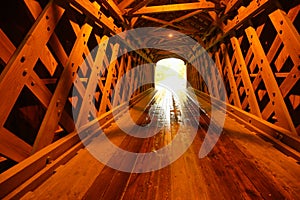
{"points": [[241, 165]]}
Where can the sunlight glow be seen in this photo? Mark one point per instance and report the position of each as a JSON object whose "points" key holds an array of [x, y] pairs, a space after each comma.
{"points": [[170, 73]]}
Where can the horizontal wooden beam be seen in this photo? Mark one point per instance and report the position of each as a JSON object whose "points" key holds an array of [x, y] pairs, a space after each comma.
{"points": [[174, 8], [139, 6], [165, 23]]}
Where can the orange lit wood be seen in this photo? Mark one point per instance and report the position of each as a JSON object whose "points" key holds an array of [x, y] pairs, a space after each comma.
{"points": [[114, 8], [21, 57], [94, 76], [57, 103], [254, 108], [175, 7], [228, 68], [125, 3], [139, 6], [274, 93], [106, 90]]}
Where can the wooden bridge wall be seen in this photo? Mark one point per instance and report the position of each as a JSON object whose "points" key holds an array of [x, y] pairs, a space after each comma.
{"points": [[43, 47], [258, 59]]}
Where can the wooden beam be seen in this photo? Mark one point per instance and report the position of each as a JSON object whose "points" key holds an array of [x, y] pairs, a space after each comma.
{"points": [[213, 76], [126, 87], [26, 176], [87, 103], [21, 65], [168, 24], [174, 8], [13, 147], [233, 87], [34, 83], [254, 108], [274, 93], [40, 90], [95, 14], [231, 5], [139, 6], [179, 19], [59, 98], [114, 9], [244, 15], [6, 46], [105, 93], [125, 3], [122, 68], [290, 38], [219, 66]]}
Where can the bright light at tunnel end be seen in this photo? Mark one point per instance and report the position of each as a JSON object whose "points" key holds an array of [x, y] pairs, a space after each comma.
{"points": [[113, 156]]}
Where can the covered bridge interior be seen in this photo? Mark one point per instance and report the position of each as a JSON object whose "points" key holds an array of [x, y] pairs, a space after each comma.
{"points": [[232, 132]]}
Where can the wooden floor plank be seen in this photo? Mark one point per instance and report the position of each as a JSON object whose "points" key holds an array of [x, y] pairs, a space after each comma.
{"points": [[240, 166]]}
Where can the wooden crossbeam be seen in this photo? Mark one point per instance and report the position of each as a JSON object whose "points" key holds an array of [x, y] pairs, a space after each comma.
{"points": [[274, 93], [184, 17], [232, 4], [114, 9], [34, 83], [92, 83], [37, 86], [168, 23], [13, 147], [254, 108], [126, 87], [95, 14], [139, 6], [23, 60], [125, 3], [174, 8], [20, 67], [244, 15], [105, 93], [230, 76], [122, 68], [289, 36], [6, 46], [291, 40], [59, 98], [214, 81]]}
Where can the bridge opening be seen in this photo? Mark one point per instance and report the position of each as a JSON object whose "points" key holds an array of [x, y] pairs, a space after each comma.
{"points": [[170, 74]]}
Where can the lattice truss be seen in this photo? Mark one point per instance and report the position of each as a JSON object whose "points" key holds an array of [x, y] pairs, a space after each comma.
{"points": [[47, 71], [259, 63]]}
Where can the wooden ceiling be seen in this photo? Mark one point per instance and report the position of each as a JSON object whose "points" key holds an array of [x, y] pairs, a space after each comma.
{"points": [[189, 17], [206, 21]]}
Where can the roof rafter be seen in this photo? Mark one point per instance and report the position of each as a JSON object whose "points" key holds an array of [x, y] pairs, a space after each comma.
{"points": [[174, 8], [192, 30], [179, 19], [139, 6]]}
